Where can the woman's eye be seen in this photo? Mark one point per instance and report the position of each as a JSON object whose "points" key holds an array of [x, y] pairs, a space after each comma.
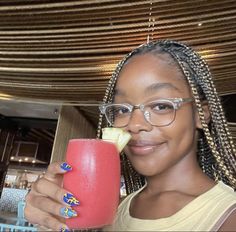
{"points": [[161, 107], [118, 111]]}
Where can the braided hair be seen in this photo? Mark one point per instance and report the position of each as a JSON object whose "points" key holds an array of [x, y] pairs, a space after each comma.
{"points": [[216, 151]]}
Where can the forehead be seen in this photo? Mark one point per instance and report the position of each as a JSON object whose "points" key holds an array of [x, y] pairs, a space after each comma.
{"points": [[143, 71]]}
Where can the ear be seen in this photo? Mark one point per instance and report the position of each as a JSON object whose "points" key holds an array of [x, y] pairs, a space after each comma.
{"points": [[206, 112]]}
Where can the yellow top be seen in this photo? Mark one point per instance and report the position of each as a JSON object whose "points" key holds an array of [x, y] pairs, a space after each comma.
{"points": [[207, 212]]}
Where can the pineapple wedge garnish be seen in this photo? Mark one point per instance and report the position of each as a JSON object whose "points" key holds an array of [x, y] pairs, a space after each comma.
{"points": [[117, 136]]}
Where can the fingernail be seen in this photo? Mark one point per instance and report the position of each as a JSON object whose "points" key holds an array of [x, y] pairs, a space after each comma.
{"points": [[68, 212], [64, 229], [69, 199], [66, 167]]}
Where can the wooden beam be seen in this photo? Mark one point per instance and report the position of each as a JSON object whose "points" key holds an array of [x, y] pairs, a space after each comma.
{"points": [[71, 124]]}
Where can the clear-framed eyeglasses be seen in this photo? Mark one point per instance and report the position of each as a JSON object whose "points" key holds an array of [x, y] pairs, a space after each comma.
{"points": [[158, 113]]}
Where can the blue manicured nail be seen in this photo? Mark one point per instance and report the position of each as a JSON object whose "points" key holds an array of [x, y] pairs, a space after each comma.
{"points": [[69, 199], [66, 167], [67, 212], [64, 229]]}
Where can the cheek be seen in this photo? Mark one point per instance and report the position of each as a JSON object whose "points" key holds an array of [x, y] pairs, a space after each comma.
{"points": [[182, 130]]}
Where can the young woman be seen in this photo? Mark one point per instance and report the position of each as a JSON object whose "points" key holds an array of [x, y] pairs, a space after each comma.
{"points": [[163, 95]]}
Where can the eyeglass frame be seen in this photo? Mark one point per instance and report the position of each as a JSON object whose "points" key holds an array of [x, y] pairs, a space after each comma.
{"points": [[176, 102]]}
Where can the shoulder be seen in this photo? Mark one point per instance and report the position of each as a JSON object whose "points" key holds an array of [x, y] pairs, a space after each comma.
{"points": [[226, 191], [227, 221], [230, 223]]}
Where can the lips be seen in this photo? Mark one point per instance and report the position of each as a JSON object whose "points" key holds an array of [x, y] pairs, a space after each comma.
{"points": [[143, 147]]}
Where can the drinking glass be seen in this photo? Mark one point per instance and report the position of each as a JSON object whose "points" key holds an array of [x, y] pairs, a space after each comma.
{"points": [[94, 180]]}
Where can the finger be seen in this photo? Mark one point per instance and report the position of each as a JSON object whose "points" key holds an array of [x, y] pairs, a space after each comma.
{"points": [[55, 171], [36, 216], [52, 207], [49, 189]]}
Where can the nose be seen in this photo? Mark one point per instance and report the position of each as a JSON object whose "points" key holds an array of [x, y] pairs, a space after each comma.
{"points": [[137, 122]]}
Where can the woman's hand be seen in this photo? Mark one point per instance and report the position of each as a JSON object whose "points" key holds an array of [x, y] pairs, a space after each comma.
{"points": [[48, 204]]}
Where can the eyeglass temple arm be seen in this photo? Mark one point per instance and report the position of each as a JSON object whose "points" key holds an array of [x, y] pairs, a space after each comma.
{"points": [[187, 99]]}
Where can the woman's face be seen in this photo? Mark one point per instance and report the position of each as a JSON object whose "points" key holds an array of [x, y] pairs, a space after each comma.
{"points": [[153, 150]]}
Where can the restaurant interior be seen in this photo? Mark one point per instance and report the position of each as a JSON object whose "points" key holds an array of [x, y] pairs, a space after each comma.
{"points": [[56, 57]]}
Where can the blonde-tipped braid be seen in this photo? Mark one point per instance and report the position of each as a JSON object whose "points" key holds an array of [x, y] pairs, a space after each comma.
{"points": [[219, 159], [223, 151], [218, 111]]}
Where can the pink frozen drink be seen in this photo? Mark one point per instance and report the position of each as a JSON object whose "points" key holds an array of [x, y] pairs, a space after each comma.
{"points": [[94, 181]]}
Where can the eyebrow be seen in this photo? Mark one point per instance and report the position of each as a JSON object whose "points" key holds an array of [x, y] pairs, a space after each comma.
{"points": [[158, 86], [152, 88]]}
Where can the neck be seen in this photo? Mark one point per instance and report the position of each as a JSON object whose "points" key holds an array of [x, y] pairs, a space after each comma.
{"points": [[185, 176]]}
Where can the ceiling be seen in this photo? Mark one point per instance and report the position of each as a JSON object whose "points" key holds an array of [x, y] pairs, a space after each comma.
{"points": [[63, 52]]}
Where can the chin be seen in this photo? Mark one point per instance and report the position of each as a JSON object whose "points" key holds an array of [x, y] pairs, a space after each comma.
{"points": [[147, 170], [150, 172]]}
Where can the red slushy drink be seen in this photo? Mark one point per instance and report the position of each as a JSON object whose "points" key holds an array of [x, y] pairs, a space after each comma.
{"points": [[94, 181]]}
